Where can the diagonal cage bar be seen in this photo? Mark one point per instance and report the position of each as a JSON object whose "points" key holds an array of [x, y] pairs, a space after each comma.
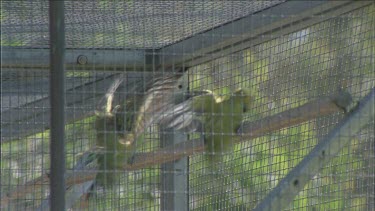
{"points": [[281, 196]]}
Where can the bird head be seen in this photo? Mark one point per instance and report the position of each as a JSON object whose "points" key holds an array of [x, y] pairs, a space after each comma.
{"points": [[243, 96], [182, 90]]}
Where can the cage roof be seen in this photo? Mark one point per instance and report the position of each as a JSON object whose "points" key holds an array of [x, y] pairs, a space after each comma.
{"points": [[121, 24]]}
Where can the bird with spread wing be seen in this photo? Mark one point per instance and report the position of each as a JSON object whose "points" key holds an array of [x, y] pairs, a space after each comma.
{"points": [[169, 102]]}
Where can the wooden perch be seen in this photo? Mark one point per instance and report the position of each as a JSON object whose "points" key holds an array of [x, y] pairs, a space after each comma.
{"points": [[82, 173], [311, 110], [249, 130]]}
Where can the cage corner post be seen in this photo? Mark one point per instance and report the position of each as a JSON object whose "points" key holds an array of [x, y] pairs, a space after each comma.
{"points": [[174, 175], [57, 96]]}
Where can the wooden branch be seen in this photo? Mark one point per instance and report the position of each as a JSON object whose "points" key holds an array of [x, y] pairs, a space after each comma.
{"points": [[294, 116], [43, 181], [25, 189], [166, 154], [83, 171]]}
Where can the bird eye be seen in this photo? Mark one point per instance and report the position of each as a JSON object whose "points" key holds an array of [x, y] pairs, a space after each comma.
{"points": [[180, 86]]}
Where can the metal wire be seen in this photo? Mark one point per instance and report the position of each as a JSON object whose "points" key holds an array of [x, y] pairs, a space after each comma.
{"points": [[283, 69]]}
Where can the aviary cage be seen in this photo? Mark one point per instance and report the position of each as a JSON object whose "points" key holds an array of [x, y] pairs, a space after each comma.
{"points": [[305, 143]]}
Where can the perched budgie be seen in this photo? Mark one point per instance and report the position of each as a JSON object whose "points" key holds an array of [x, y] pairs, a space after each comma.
{"points": [[110, 128], [221, 117], [217, 116]]}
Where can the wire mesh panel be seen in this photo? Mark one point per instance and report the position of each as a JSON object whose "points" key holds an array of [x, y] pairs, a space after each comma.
{"points": [[284, 73], [188, 105], [129, 24]]}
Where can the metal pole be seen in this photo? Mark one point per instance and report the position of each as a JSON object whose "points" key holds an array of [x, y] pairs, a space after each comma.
{"points": [[57, 94], [174, 175]]}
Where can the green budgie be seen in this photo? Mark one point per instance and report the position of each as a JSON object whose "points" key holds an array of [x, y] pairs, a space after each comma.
{"points": [[218, 117], [112, 153], [221, 117], [110, 126]]}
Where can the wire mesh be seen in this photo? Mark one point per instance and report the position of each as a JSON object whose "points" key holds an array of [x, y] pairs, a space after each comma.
{"points": [[279, 74], [284, 73], [129, 24]]}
